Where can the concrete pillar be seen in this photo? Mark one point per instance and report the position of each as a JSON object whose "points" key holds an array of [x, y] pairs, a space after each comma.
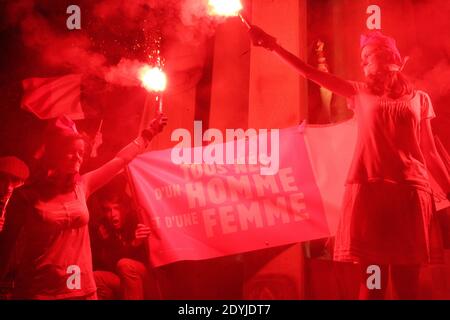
{"points": [[278, 95], [230, 76]]}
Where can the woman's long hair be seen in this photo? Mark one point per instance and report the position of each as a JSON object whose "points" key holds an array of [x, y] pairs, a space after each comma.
{"points": [[47, 160]]}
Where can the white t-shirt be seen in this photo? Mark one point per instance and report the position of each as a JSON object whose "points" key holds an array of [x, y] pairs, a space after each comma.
{"points": [[388, 146]]}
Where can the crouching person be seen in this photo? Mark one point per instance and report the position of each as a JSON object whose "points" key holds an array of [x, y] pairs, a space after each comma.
{"points": [[119, 252]]}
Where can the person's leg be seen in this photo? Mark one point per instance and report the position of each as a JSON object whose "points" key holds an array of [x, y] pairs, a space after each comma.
{"points": [[133, 275], [366, 292], [108, 285], [405, 280]]}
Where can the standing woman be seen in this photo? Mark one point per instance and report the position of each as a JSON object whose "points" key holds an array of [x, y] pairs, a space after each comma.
{"points": [[47, 223], [388, 214]]}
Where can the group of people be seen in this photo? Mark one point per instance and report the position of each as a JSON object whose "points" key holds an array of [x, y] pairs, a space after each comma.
{"points": [[45, 234], [388, 216]]}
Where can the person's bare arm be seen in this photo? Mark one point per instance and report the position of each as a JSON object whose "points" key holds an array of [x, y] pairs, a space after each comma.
{"points": [[98, 178], [329, 81]]}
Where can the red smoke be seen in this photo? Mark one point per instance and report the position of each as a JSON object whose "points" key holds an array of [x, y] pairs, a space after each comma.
{"points": [[76, 51], [125, 73], [187, 21], [69, 50], [430, 63]]}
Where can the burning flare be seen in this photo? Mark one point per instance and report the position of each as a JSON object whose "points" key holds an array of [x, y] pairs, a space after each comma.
{"points": [[153, 79], [225, 7], [228, 8]]}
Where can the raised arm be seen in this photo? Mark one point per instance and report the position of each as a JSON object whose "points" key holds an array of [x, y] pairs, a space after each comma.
{"points": [[96, 179], [329, 81]]}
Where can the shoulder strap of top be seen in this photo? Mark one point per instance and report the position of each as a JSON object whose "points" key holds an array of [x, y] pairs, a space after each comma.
{"points": [[80, 191]]}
